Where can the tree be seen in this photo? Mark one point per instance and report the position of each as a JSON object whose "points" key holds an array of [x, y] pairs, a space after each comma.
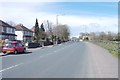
{"points": [[62, 32], [36, 31], [102, 36], [42, 28], [50, 30], [11, 23], [65, 32], [92, 35], [49, 26], [42, 33]]}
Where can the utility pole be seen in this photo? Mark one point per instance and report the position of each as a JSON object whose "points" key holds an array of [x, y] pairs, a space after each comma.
{"points": [[57, 20], [57, 29], [48, 24], [57, 25]]}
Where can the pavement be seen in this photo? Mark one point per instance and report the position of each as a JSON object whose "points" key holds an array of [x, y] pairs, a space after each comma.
{"points": [[69, 60], [1, 53]]}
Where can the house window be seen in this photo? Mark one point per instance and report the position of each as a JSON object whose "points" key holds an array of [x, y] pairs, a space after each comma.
{"points": [[27, 33], [24, 33], [9, 30], [4, 29], [30, 33], [0, 37], [3, 37], [0, 28], [13, 30]]}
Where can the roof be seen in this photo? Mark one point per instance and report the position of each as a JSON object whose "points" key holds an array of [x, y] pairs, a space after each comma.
{"points": [[20, 27], [33, 29], [4, 24]]}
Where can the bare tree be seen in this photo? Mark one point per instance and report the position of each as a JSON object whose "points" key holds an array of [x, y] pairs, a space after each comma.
{"points": [[62, 32], [49, 28], [11, 23], [93, 35]]}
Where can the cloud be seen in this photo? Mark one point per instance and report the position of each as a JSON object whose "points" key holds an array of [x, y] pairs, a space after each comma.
{"points": [[82, 20], [93, 23], [26, 14]]}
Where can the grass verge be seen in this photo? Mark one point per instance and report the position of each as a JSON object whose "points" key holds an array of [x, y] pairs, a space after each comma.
{"points": [[111, 46]]}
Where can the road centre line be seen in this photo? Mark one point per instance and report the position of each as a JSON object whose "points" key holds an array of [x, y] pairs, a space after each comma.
{"points": [[55, 51]]}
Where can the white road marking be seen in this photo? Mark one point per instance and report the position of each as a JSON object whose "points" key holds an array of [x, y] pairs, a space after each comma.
{"points": [[11, 67], [54, 52], [40, 56]]}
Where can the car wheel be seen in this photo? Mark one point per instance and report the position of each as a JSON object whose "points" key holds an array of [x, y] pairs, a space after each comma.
{"points": [[15, 52], [24, 50]]}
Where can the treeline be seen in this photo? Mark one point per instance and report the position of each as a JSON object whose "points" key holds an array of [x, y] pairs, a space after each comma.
{"points": [[107, 40], [53, 33], [101, 36]]}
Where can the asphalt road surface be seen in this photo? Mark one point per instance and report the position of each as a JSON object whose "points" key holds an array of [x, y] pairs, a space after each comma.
{"points": [[69, 60]]}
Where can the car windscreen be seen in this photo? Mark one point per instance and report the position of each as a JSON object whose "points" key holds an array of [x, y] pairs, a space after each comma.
{"points": [[10, 45]]}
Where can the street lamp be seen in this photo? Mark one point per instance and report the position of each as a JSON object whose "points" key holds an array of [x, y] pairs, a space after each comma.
{"points": [[57, 25], [57, 18]]}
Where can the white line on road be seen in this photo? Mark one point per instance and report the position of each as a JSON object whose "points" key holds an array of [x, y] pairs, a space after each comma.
{"points": [[40, 56], [11, 67], [56, 51]]}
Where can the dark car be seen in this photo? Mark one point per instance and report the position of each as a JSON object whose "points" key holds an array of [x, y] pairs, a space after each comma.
{"points": [[14, 47]]}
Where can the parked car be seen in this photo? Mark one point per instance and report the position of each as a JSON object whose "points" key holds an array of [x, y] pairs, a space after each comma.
{"points": [[14, 47], [33, 45]]}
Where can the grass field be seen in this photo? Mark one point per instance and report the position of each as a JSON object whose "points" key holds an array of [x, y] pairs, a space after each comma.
{"points": [[111, 46]]}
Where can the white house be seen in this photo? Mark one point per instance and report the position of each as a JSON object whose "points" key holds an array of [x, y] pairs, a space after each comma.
{"points": [[23, 33]]}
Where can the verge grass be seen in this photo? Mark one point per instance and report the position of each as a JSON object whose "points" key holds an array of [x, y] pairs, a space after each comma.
{"points": [[111, 46]]}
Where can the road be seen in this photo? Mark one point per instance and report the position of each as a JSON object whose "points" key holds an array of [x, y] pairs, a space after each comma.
{"points": [[69, 60]]}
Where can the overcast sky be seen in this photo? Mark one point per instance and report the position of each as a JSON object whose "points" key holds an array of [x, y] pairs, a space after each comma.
{"points": [[79, 16]]}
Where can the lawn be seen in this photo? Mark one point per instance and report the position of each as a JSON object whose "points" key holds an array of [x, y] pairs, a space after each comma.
{"points": [[111, 46]]}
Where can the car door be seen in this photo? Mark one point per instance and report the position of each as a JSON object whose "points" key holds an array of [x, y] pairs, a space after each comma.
{"points": [[18, 47], [21, 47]]}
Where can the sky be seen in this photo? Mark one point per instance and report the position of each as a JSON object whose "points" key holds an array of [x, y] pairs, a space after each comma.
{"points": [[79, 16]]}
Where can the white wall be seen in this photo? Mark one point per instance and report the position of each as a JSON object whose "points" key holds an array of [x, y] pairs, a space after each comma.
{"points": [[19, 35]]}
